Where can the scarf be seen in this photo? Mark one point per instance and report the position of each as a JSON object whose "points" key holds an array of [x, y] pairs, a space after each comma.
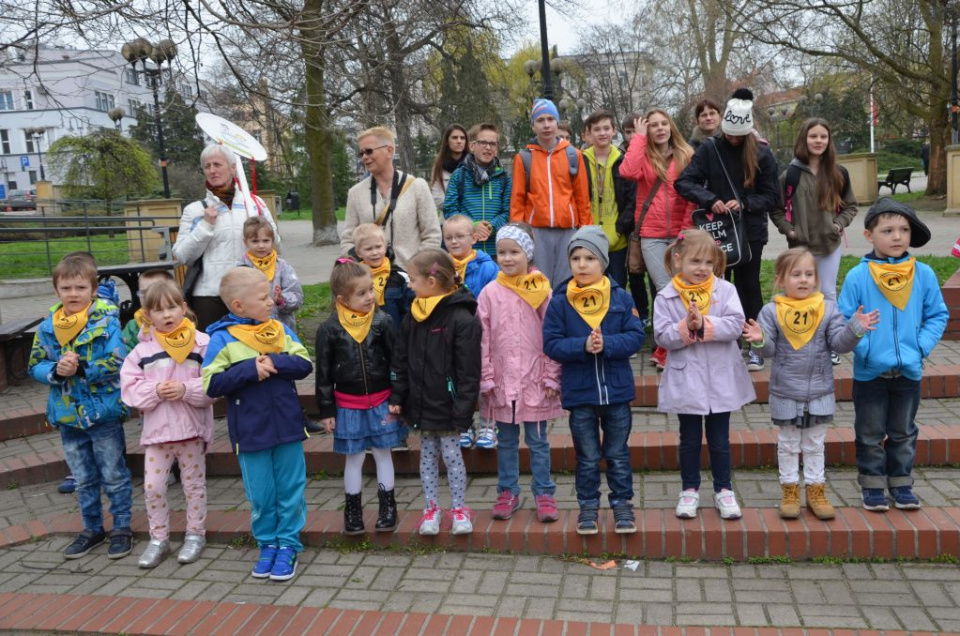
{"points": [[451, 164], [423, 307], [265, 337], [481, 174], [799, 319], [178, 343], [461, 265], [698, 294], [65, 327], [356, 323], [224, 193], [533, 288], [895, 280], [380, 276], [591, 302], [267, 264]]}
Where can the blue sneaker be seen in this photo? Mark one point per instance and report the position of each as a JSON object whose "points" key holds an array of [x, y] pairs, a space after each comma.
{"points": [[587, 521], [466, 438], [903, 498], [285, 565], [268, 554], [68, 485], [875, 500]]}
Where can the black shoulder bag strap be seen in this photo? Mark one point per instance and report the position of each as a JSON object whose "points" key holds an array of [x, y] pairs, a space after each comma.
{"points": [[733, 188], [387, 213], [646, 204]]}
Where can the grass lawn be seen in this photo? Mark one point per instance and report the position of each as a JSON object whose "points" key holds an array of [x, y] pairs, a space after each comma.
{"points": [[28, 259], [317, 306]]}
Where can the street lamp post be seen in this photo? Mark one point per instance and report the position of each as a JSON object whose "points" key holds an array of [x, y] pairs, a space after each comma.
{"points": [[140, 50], [117, 115], [545, 54], [37, 134]]}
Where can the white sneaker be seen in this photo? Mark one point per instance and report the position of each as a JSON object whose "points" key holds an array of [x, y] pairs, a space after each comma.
{"points": [[462, 523], [466, 438], [430, 521], [487, 439], [726, 502], [688, 504]]}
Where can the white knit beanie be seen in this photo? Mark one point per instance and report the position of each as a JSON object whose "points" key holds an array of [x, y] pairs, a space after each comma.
{"points": [[738, 117]]}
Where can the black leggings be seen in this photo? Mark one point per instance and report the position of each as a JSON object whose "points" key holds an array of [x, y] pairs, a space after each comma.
{"points": [[209, 309], [746, 278]]}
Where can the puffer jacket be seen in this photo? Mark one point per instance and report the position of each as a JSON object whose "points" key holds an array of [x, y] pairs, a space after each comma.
{"points": [[436, 366], [515, 371], [593, 379], [220, 244], [481, 271], [92, 396], [814, 227], [554, 200], [260, 414], [606, 211], [167, 421], [285, 277], [669, 213], [350, 367], [807, 373]]}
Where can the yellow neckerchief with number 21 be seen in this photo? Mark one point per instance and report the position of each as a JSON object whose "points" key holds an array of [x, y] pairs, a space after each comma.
{"points": [[799, 319], [591, 302]]}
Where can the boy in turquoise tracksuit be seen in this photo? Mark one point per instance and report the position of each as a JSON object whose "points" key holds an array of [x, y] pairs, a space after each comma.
{"points": [[888, 362], [254, 361]]}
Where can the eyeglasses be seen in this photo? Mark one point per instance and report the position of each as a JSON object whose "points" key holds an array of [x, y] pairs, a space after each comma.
{"points": [[366, 152], [487, 144], [451, 238]]}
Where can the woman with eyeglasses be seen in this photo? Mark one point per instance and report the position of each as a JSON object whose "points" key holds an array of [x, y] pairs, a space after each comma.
{"points": [[397, 201], [453, 150]]}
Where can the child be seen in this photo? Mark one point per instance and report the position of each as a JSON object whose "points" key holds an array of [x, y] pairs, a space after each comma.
{"points": [[698, 318], [253, 361], [258, 237], [354, 350], [78, 352], [161, 379], [390, 283], [888, 364], [519, 383], [436, 379], [591, 329], [799, 330], [132, 329]]}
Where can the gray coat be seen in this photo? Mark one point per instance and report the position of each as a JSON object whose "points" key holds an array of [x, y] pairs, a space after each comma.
{"points": [[807, 373]]}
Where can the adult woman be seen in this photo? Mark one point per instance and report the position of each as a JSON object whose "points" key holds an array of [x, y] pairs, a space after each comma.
{"points": [[750, 190], [398, 202], [212, 230], [708, 115], [452, 153]]}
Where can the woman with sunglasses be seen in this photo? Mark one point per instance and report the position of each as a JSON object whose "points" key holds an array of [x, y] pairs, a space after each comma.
{"points": [[398, 202]]}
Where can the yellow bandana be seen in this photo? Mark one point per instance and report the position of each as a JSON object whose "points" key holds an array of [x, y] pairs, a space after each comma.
{"points": [[66, 328], [591, 302], [266, 337], [698, 294], [267, 264], [894, 280], [799, 319], [533, 288], [356, 323], [461, 265], [178, 343], [139, 317], [380, 276], [423, 307]]}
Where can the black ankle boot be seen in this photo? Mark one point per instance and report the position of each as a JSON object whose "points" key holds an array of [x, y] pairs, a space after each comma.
{"points": [[353, 515], [388, 511]]}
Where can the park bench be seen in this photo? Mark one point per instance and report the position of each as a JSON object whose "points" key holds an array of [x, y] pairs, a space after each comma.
{"points": [[16, 338], [897, 176]]}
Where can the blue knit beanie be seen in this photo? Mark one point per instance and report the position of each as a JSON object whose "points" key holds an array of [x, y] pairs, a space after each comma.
{"points": [[543, 107]]}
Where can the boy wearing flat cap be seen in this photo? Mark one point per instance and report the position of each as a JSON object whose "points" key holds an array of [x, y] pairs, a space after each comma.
{"points": [[888, 362]]}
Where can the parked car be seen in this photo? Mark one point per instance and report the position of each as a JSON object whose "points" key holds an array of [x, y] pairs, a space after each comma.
{"points": [[20, 200]]}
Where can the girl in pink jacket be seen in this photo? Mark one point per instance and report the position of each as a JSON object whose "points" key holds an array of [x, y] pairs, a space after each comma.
{"points": [[161, 379], [519, 383]]}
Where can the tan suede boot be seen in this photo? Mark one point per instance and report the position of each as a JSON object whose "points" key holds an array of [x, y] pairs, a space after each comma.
{"points": [[790, 501], [817, 502]]}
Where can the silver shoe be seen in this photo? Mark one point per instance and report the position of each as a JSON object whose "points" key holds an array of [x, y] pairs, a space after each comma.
{"points": [[193, 545], [155, 553]]}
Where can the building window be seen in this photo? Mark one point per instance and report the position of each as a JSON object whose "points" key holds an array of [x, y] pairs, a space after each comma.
{"points": [[5, 141], [33, 177], [132, 77], [134, 106], [105, 101], [28, 140], [6, 100], [28, 100]]}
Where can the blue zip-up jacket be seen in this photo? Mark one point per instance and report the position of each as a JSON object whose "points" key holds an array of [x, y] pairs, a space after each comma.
{"points": [[260, 415], [92, 396], [489, 201], [480, 272], [902, 338], [589, 379]]}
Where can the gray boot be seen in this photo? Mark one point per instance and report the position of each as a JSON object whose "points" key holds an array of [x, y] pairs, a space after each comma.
{"points": [[155, 553]]}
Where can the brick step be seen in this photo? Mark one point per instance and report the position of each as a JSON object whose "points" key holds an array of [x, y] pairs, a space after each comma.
{"points": [[760, 533]]}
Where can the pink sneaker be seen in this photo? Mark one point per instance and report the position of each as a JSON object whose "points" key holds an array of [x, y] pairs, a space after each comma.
{"points": [[507, 504], [546, 508]]}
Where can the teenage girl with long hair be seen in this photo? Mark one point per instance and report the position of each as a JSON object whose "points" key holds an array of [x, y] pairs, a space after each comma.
{"points": [[453, 150]]}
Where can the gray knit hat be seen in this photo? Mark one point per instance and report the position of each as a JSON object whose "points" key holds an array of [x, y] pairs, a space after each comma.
{"points": [[594, 239]]}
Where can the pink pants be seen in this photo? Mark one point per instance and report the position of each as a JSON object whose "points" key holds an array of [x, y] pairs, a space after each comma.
{"points": [[158, 459]]}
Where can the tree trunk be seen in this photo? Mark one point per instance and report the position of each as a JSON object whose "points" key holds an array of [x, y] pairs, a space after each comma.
{"points": [[939, 135]]}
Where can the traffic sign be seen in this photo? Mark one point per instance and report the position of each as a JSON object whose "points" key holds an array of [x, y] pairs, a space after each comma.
{"points": [[3, 192], [24, 161]]}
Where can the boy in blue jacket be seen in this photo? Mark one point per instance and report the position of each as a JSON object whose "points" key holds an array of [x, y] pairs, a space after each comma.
{"points": [[591, 329], [78, 352], [888, 362], [254, 361]]}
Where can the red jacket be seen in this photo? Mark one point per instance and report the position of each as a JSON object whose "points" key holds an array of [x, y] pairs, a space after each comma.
{"points": [[669, 212]]}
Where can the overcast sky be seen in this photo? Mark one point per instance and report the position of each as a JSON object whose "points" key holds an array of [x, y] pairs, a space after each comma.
{"points": [[562, 30]]}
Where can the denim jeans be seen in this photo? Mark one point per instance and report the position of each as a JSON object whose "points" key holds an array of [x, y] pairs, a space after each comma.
{"points": [[96, 458], [718, 442], [617, 269], [885, 408], [615, 421], [508, 457]]}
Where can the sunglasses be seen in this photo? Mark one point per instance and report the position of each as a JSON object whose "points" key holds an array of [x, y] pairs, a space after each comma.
{"points": [[366, 152]]}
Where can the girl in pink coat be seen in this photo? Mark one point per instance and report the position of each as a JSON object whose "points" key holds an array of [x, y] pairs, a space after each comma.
{"points": [[519, 383], [161, 379]]}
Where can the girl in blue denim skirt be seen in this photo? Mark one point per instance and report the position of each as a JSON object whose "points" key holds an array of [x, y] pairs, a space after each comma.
{"points": [[354, 351]]}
